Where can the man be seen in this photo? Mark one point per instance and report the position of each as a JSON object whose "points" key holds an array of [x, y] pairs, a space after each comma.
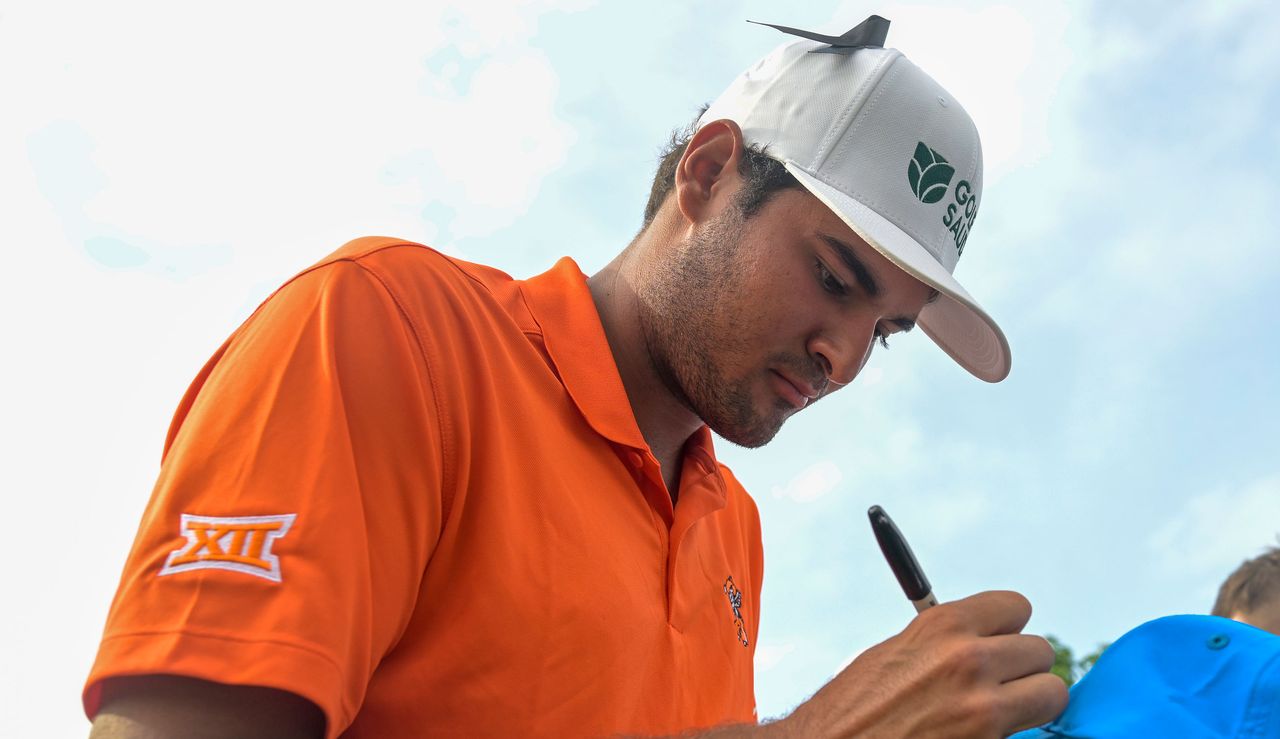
{"points": [[411, 496], [1251, 594]]}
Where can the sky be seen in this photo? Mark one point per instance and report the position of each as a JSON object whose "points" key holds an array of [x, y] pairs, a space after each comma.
{"points": [[164, 167]]}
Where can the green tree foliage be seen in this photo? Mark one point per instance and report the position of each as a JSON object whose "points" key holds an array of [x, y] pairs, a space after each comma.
{"points": [[1086, 662], [1065, 664]]}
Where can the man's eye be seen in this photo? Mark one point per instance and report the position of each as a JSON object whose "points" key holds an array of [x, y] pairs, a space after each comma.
{"points": [[829, 281], [883, 338]]}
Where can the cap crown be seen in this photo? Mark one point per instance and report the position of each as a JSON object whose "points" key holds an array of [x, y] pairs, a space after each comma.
{"points": [[872, 125]]}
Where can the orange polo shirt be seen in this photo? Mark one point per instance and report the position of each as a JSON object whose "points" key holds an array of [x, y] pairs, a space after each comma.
{"points": [[412, 490]]}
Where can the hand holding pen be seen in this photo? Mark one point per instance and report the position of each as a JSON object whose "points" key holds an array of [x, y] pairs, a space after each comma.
{"points": [[960, 669]]}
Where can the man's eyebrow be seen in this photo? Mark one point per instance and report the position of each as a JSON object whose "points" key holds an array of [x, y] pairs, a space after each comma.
{"points": [[860, 272], [866, 280]]}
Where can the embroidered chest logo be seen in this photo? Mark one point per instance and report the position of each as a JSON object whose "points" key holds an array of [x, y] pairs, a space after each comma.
{"points": [[236, 543], [735, 602]]}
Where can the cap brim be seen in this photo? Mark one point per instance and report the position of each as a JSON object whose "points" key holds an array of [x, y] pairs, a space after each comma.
{"points": [[954, 321]]}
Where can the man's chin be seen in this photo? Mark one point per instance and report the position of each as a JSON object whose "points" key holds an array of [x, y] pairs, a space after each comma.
{"points": [[752, 436]]}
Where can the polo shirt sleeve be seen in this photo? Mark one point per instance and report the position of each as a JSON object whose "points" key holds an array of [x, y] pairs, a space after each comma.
{"points": [[298, 502]]}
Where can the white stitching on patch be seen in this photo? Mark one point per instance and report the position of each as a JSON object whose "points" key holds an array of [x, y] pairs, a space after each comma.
{"points": [[235, 543]]}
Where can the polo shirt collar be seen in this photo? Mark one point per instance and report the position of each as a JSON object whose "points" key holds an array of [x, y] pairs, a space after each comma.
{"points": [[561, 304]]}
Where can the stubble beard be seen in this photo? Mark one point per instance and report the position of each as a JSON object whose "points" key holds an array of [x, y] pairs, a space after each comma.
{"points": [[690, 333]]}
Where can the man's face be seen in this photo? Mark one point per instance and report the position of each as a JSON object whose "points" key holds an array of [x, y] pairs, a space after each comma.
{"points": [[748, 316]]}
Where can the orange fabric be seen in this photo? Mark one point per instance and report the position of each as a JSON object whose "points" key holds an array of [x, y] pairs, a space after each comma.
{"points": [[412, 490]]}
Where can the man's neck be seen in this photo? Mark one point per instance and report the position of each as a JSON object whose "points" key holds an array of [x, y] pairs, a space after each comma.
{"points": [[664, 422]]}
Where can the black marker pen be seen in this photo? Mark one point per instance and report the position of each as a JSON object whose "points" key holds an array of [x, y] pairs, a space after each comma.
{"points": [[901, 560]]}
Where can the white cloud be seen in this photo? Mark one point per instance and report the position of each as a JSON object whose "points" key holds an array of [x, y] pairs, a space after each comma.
{"points": [[1219, 529], [812, 483], [769, 655], [271, 128], [485, 152]]}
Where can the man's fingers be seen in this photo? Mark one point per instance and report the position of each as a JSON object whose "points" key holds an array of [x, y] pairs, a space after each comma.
{"points": [[987, 614], [1018, 655], [1031, 701]]}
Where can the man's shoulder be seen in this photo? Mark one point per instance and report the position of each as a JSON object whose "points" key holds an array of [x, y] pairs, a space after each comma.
{"points": [[388, 256], [425, 282]]}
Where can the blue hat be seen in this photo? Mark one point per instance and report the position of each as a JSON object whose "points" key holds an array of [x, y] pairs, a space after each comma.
{"points": [[1190, 677]]}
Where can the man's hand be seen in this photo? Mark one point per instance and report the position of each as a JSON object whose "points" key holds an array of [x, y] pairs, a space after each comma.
{"points": [[961, 669]]}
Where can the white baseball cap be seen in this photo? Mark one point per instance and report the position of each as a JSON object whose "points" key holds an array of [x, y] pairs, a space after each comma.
{"points": [[888, 151]]}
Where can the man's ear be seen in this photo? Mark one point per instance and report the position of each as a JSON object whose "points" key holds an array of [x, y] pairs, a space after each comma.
{"points": [[707, 177]]}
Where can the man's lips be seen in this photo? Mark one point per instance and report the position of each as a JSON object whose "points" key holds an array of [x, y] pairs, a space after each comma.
{"points": [[796, 392]]}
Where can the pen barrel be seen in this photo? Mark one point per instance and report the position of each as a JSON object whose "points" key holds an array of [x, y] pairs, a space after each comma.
{"points": [[926, 602], [899, 556]]}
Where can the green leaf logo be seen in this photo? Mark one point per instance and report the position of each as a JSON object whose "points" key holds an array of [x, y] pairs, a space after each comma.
{"points": [[929, 174]]}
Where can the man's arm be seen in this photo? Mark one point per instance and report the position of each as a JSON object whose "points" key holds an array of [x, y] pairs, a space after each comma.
{"points": [[173, 707], [318, 412], [959, 670]]}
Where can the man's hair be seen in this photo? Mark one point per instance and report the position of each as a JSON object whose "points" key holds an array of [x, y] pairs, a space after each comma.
{"points": [[763, 175], [1254, 584]]}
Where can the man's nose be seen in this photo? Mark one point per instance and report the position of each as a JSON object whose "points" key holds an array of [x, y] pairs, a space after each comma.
{"points": [[843, 352]]}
